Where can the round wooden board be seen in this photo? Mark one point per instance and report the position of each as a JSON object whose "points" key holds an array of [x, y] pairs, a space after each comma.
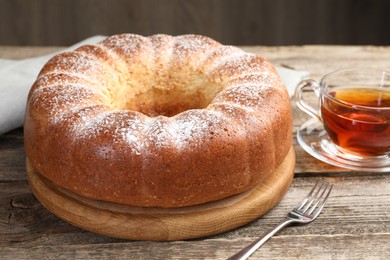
{"points": [[136, 223]]}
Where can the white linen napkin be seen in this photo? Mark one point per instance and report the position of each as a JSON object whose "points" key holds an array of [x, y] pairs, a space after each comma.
{"points": [[291, 78], [18, 76]]}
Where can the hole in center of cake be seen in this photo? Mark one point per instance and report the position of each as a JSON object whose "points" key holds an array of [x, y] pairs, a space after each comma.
{"points": [[167, 101]]}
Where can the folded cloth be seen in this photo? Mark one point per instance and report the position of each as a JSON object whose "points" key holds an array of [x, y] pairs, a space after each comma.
{"points": [[291, 78], [18, 76]]}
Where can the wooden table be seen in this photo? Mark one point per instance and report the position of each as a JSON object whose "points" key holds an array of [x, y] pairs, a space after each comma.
{"points": [[354, 225]]}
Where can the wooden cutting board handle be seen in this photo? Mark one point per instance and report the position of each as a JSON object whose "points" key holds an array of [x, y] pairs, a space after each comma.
{"points": [[136, 223]]}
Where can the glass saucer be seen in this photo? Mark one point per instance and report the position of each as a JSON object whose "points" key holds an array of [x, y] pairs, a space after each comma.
{"points": [[313, 139]]}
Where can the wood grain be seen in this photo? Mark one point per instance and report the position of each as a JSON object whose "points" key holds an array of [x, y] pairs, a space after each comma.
{"points": [[30, 230], [266, 22], [355, 223]]}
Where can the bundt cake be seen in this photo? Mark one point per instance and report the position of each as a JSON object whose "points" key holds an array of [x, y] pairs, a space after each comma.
{"points": [[157, 121]]}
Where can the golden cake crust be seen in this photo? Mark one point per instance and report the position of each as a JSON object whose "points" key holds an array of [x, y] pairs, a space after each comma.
{"points": [[157, 121]]}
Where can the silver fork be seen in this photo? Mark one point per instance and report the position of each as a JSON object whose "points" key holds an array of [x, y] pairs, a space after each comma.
{"points": [[304, 213]]}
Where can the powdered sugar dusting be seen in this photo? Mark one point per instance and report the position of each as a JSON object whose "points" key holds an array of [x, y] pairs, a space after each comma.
{"points": [[64, 77], [129, 46], [220, 56], [55, 101], [187, 45], [241, 75], [73, 62], [126, 42], [186, 130], [248, 95], [241, 64]]}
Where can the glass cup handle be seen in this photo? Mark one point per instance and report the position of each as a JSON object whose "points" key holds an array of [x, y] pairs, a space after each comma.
{"points": [[312, 85]]}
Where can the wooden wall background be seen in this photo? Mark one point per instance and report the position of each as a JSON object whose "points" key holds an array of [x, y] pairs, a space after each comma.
{"points": [[240, 22]]}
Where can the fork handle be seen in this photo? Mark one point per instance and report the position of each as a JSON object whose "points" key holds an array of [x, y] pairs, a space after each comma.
{"points": [[252, 247]]}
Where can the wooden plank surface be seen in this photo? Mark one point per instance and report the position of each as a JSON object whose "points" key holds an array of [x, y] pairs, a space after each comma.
{"points": [[265, 22], [354, 225]]}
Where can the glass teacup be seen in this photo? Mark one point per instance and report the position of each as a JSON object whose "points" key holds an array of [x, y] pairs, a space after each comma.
{"points": [[354, 109]]}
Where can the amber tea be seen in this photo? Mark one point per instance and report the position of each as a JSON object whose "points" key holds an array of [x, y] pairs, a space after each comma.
{"points": [[355, 119]]}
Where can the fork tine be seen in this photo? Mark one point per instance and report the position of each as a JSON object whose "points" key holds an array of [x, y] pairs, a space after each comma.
{"points": [[308, 196], [313, 198], [323, 201], [318, 198]]}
